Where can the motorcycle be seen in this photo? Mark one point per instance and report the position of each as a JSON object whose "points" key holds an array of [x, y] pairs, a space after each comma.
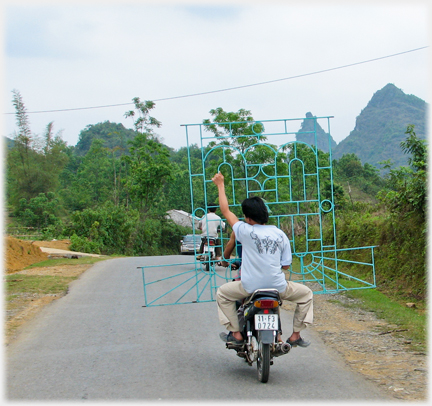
{"points": [[259, 318], [209, 250]]}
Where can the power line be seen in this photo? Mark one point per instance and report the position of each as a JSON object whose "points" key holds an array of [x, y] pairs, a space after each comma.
{"points": [[236, 87], [292, 77]]}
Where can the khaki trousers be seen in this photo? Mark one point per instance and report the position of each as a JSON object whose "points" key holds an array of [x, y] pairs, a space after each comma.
{"points": [[298, 293]]}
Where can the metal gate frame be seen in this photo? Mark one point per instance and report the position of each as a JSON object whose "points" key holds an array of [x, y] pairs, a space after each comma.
{"points": [[292, 176]]}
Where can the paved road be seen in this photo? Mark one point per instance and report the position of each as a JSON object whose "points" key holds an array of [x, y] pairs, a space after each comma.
{"points": [[100, 343]]}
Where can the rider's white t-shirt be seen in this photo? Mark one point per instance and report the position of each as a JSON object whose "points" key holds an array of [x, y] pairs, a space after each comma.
{"points": [[209, 224], [265, 250]]}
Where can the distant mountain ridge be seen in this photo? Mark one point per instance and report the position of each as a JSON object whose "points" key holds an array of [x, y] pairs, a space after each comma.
{"points": [[307, 134], [381, 127], [378, 132]]}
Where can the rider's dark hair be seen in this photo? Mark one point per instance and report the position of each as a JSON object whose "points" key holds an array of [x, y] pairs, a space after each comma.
{"points": [[255, 208], [212, 207]]}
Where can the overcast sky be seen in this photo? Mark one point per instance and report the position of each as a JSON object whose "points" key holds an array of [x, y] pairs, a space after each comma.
{"points": [[68, 55]]}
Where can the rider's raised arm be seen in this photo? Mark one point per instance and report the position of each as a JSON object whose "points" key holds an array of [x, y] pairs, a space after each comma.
{"points": [[218, 180]]}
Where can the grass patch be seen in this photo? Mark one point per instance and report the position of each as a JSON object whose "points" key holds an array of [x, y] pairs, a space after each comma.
{"points": [[10, 297], [26, 294], [42, 285]]}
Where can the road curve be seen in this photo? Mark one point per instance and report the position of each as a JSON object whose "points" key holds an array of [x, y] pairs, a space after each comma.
{"points": [[100, 343]]}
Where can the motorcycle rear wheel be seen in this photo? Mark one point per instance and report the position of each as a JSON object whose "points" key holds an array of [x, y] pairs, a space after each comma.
{"points": [[263, 363], [208, 259]]}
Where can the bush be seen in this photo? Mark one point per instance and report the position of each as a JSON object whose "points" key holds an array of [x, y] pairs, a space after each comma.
{"points": [[38, 212], [158, 237], [114, 229], [83, 244], [108, 227], [53, 231], [400, 256]]}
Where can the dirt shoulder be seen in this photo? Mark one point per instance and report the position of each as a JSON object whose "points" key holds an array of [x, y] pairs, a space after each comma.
{"points": [[367, 344], [370, 346], [21, 254], [25, 306]]}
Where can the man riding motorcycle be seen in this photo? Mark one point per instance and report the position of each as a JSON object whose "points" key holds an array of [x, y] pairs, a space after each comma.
{"points": [[265, 250], [210, 224]]}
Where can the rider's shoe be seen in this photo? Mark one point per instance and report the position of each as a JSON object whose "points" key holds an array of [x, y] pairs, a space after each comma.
{"points": [[229, 338], [299, 342]]}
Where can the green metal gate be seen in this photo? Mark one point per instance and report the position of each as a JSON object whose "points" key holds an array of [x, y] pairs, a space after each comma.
{"points": [[294, 178]]}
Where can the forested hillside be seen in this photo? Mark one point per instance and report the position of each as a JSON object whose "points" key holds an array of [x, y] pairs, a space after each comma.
{"points": [[114, 136], [380, 127], [110, 193]]}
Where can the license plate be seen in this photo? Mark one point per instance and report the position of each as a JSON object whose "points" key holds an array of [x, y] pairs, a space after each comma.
{"points": [[266, 322]]}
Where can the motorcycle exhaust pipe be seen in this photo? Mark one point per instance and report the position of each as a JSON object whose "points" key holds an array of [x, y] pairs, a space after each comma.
{"points": [[285, 348], [281, 349]]}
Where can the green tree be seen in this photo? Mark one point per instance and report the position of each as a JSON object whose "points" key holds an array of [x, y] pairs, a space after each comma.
{"points": [[149, 169], [305, 168], [177, 192], [237, 145], [96, 171], [39, 212], [238, 129], [21, 168], [24, 135], [53, 158], [33, 163], [148, 164], [91, 183], [143, 122], [334, 193], [407, 186], [348, 166], [348, 170]]}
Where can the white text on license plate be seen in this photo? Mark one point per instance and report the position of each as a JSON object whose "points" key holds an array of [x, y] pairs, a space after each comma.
{"points": [[266, 322]]}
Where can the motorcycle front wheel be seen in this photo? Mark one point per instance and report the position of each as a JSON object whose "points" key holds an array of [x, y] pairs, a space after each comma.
{"points": [[263, 362]]}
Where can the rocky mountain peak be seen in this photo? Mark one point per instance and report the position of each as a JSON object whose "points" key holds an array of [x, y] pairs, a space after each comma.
{"points": [[381, 127]]}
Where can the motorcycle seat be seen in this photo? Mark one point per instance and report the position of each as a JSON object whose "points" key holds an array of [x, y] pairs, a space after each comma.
{"points": [[259, 293]]}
